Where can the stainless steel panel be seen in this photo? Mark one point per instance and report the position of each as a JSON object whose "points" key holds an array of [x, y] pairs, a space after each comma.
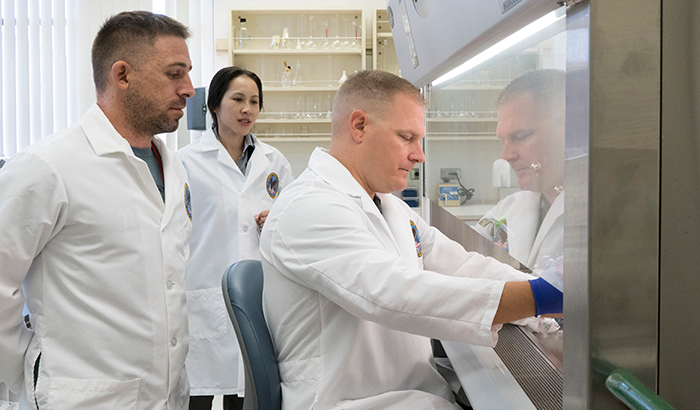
{"points": [[577, 384], [617, 279], [679, 358]]}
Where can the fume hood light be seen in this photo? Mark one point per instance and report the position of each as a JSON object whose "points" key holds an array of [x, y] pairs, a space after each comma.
{"points": [[503, 45]]}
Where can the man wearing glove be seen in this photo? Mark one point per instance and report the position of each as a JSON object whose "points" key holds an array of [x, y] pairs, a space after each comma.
{"points": [[356, 283]]}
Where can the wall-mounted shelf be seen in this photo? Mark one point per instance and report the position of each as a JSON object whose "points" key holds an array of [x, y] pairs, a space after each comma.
{"points": [[473, 87], [271, 52], [293, 121], [295, 89], [462, 119], [463, 138], [274, 140], [299, 80]]}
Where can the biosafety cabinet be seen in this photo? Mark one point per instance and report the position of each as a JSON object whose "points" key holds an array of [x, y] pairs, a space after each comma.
{"points": [[614, 152]]}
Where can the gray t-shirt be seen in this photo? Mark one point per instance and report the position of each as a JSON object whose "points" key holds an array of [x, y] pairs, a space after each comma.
{"points": [[148, 155]]}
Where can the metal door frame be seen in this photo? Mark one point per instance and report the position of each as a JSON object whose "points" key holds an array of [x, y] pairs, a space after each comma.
{"points": [[611, 242]]}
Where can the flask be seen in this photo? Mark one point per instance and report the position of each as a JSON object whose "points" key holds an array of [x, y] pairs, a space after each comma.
{"points": [[286, 78], [243, 37], [310, 43], [286, 43], [343, 78], [297, 79], [336, 24]]}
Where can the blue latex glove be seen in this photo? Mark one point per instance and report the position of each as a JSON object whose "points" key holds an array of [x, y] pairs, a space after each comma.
{"points": [[548, 299]]}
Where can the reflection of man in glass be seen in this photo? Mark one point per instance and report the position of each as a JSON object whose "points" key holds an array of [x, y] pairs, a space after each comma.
{"points": [[529, 224]]}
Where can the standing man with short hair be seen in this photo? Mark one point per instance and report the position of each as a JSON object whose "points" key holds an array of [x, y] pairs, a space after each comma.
{"points": [[356, 283], [94, 228]]}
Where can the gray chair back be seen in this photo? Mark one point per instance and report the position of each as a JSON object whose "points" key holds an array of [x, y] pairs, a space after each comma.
{"points": [[243, 285]]}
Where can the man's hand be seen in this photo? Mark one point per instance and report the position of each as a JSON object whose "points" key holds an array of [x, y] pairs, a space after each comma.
{"points": [[260, 219]]}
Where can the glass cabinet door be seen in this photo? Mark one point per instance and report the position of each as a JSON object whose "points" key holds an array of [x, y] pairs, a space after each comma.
{"points": [[495, 147], [495, 150]]}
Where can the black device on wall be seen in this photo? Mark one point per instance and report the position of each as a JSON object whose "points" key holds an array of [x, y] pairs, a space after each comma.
{"points": [[197, 110]]}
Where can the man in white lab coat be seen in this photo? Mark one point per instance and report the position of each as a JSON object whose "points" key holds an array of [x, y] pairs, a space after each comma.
{"points": [[356, 282], [94, 237], [529, 224]]}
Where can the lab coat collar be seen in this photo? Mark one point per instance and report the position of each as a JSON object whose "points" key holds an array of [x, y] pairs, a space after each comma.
{"points": [[209, 142], [105, 140], [400, 226], [556, 210], [101, 134], [336, 175], [258, 164], [522, 223], [175, 175], [524, 238]]}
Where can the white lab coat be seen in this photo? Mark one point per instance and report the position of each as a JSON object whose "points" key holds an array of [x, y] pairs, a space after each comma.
{"points": [[224, 202], [101, 259], [529, 246], [351, 296]]}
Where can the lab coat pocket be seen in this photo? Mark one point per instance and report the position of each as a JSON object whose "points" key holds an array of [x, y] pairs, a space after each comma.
{"points": [[68, 393], [207, 315]]}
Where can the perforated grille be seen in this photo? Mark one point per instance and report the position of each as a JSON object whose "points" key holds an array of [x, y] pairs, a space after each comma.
{"points": [[539, 379]]}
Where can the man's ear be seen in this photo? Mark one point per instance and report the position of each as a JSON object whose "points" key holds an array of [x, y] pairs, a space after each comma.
{"points": [[358, 122], [119, 74]]}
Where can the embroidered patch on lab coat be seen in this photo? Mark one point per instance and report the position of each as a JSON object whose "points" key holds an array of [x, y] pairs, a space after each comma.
{"points": [[188, 203], [416, 238], [273, 184]]}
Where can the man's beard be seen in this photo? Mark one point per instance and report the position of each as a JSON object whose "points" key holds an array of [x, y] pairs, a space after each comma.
{"points": [[147, 117]]}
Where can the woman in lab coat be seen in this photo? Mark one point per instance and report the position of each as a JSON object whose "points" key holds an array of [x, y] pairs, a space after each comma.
{"points": [[234, 179], [529, 224]]}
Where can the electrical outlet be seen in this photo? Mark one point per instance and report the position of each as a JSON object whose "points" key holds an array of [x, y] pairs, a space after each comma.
{"points": [[414, 174], [450, 173]]}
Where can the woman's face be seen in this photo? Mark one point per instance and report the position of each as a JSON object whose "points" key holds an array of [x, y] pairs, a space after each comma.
{"points": [[239, 108]]}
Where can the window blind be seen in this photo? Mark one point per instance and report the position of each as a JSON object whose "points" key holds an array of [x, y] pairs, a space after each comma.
{"points": [[45, 68], [34, 71]]}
